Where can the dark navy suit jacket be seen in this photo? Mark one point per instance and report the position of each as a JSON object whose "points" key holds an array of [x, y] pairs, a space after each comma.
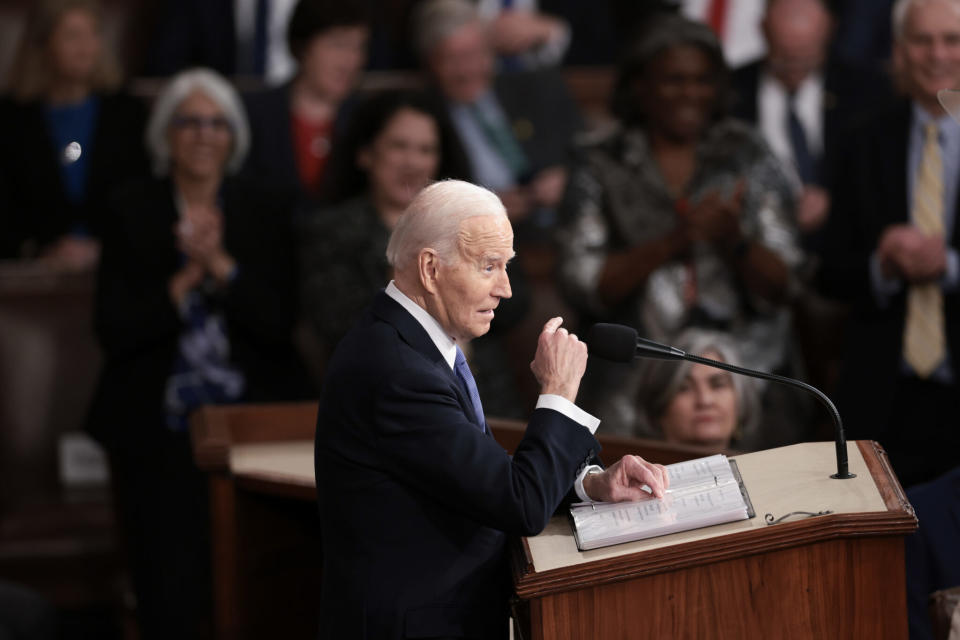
{"points": [[933, 551], [416, 502], [871, 194], [850, 93]]}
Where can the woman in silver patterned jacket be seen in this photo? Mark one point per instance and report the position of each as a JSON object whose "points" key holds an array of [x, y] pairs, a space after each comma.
{"points": [[679, 217]]}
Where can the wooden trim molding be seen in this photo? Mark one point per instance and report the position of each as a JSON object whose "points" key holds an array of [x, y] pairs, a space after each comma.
{"points": [[898, 519]]}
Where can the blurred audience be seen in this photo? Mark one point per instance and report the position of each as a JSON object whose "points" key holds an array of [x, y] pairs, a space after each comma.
{"points": [[932, 553], [680, 217], [70, 135], [892, 251], [195, 304], [736, 23], [803, 102], [9, 237], [25, 615], [594, 29], [863, 33], [294, 127], [523, 37], [516, 127], [234, 37], [398, 142], [695, 404]]}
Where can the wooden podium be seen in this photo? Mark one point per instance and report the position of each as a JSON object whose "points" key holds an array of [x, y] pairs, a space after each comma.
{"points": [[839, 575]]}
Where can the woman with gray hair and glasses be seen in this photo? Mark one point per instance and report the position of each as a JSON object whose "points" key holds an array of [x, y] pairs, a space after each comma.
{"points": [[195, 305], [695, 404]]}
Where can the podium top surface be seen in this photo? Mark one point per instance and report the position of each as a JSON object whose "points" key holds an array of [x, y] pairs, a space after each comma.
{"points": [[283, 463], [779, 481]]}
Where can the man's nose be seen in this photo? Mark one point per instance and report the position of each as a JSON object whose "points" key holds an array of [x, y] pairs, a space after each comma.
{"points": [[502, 289]]}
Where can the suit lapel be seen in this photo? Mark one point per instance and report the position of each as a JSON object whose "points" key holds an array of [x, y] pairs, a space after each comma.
{"points": [[749, 91], [893, 151], [284, 131], [831, 107], [390, 311], [47, 156], [953, 497]]}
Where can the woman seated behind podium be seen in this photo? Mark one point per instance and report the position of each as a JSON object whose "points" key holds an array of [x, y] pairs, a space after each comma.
{"points": [[694, 404], [70, 135], [195, 305]]}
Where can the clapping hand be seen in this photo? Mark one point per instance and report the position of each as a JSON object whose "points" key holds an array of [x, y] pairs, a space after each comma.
{"points": [[906, 252], [200, 236], [715, 218]]}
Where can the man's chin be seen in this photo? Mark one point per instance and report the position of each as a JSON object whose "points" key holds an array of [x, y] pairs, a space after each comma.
{"points": [[481, 329]]}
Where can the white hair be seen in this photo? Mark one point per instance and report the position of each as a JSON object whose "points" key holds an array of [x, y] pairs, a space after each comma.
{"points": [[434, 20], [902, 8], [433, 218], [178, 89]]}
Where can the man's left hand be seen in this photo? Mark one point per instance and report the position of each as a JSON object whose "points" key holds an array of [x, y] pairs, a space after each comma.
{"points": [[625, 480]]}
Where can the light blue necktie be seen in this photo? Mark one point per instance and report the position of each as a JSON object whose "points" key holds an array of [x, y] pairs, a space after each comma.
{"points": [[462, 370]]}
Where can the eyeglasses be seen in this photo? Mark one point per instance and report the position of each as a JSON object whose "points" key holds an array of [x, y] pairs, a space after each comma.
{"points": [[217, 124]]}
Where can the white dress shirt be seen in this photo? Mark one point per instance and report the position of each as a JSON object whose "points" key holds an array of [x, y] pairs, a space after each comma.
{"points": [[448, 349], [279, 64], [743, 40], [772, 98]]}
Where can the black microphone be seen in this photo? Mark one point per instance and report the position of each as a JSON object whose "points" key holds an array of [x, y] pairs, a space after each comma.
{"points": [[619, 343]]}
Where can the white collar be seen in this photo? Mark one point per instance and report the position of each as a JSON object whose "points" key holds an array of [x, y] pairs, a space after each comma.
{"points": [[445, 344]]}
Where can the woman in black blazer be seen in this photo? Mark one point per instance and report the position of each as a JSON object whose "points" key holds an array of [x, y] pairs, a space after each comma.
{"points": [[69, 136], [195, 305]]}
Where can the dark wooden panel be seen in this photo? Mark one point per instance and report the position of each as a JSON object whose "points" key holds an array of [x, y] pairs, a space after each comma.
{"points": [[835, 589]]}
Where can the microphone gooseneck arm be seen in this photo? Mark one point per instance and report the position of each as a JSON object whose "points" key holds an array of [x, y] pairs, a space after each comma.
{"points": [[620, 343], [843, 472]]}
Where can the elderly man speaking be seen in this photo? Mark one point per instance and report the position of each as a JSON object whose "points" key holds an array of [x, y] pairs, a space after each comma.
{"points": [[416, 498]]}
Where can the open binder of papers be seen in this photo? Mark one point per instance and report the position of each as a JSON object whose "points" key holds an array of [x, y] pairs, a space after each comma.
{"points": [[702, 492]]}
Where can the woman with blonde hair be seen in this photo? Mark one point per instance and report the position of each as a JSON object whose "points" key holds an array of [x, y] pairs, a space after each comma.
{"points": [[70, 134]]}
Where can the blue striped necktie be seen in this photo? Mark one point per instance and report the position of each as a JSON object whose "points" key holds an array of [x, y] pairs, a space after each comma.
{"points": [[462, 370]]}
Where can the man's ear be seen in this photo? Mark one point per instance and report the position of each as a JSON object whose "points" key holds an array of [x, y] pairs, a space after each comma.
{"points": [[428, 266]]}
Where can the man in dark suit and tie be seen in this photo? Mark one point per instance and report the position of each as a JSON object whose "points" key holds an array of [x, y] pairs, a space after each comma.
{"points": [[803, 101], [416, 498], [932, 553], [515, 127], [892, 250]]}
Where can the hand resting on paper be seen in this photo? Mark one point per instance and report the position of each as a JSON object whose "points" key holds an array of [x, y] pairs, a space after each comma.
{"points": [[625, 481]]}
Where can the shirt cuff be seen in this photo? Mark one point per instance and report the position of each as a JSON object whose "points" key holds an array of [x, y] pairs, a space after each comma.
{"points": [[883, 288], [567, 408], [578, 485]]}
